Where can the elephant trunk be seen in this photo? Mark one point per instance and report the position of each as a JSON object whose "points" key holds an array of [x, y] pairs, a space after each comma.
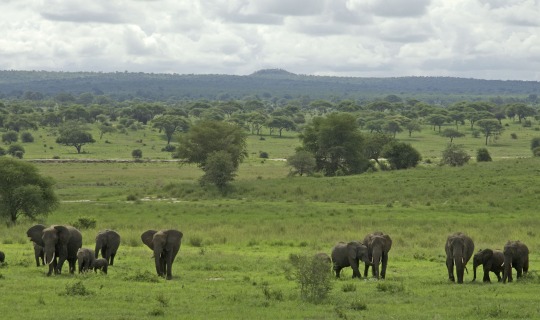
{"points": [[157, 257], [98, 248], [507, 271], [375, 260], [460, 270]]}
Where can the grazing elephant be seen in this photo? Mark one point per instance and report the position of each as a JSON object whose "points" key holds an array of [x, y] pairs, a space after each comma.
{"points": [[101, 264], [107, 242], [2, 257], [378, 245], [516, 255], [492, 260], [165, 244], [459, 249], [60, 243], [348, 255], [39, 254], [86, 259]]}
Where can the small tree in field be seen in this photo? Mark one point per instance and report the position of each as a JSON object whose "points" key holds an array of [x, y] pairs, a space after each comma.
{"points": [[454, 156], [23, 191], [219, 169], [401, 155], [314, 279], [16, 151], [75, 135], [10, 137], [535, 143], [302, 162], [482, 155], [452, 133], [136, 154]]}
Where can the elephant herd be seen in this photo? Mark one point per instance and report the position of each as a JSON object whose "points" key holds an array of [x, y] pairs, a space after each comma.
{"points": [[459, 250], [373, 251], [57, 244]]}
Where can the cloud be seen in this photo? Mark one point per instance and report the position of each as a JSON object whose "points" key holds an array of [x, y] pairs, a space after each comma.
{"points": [[392, 8]]}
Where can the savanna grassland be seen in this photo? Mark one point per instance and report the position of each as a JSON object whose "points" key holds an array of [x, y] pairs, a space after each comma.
{"points": [[235, 259]]}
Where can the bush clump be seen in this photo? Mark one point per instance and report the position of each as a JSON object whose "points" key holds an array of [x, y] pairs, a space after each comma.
{"points": [[76, 289], [482, 155], [454, 156], [314, 279], [85, 223]]}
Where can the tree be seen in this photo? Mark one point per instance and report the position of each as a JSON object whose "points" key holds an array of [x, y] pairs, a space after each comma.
{"points": [[337, 144], [210, 136], [437, 120], [105, 128], [401, 155], [23, 191], [374, 144], [136, 154], [281, 123], [16, 150], [10, 137], [170, 124], [452, 133], [74, 134], [219, 169], [27, 137], [412, 125], [302, 162], [490, 127], [392, 127], [454, 156]]}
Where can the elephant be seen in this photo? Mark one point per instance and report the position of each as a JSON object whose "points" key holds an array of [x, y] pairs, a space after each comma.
{"points": [[2, 257], [39, 254], [323, 257], [491, 260], [459, 249], [516, 255], [86, 259], [348, 255], [107, 242], [101, 264], [165, 244], [378, 245], [60, 243]]}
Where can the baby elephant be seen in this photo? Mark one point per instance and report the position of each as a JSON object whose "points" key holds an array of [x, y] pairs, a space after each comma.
{"points": [[86, 259], [101, 264], [492, 260], [349, 255], [2, 257]]}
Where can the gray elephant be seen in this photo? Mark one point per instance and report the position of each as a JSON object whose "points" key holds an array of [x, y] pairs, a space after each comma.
{"points": [[107, 242], [101, 264], [491, 260], [2, 257], [60, 243], [39, 254], [165, 244], [86, 259], [348, 255], [516, 255], [378, 245], [459, 250]]}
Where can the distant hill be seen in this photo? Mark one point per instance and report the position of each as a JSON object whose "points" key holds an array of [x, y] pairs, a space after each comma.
{"points": [[268, 83]]}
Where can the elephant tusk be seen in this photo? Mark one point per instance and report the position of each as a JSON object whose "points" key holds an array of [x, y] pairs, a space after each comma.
{"points": [[48, 263]]}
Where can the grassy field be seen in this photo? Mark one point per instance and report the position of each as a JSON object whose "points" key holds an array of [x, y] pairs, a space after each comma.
{"points": [[235, 260]]}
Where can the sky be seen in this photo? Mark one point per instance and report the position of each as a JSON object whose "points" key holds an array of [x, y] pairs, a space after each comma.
{"points": [[483, 39]]}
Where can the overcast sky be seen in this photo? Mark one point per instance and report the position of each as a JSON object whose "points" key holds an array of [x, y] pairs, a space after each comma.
{"points": [[487, 39]]}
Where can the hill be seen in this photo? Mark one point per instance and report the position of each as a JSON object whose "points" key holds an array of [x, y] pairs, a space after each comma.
{"points": [[269, 83]]}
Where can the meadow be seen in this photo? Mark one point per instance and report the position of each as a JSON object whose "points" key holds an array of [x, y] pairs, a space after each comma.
{"points": [[236, 256]]}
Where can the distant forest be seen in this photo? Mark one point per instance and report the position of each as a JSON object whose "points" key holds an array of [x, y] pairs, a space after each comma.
{"points": [[269, 84]]}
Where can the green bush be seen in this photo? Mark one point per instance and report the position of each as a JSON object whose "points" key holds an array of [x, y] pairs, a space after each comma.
{"points": [[27, 137], [454, 156], [85, 223], [401, 155], [536, 152], [535, 143], [482, 155], [76, 289], [263, 155], [16, 150], [314, 279], [136, 154]]}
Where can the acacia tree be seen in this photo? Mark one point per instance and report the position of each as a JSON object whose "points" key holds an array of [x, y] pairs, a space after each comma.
{"points": [[23, 191], [209, 137], [401, 155], [74, 134], [452, 133], [302, 162], [490, 127], [170, 124], [337, 144]]}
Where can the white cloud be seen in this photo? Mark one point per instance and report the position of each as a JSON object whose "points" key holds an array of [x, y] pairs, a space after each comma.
{"points": [[471, 38]]}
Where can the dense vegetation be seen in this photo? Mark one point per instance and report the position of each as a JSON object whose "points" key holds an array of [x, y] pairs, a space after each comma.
{"points": [[243, 252]]}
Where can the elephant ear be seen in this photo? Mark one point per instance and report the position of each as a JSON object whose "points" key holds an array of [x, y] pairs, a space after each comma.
{"points": [[147, 238], [63, 234], [388, 242], [174, 237], [35, 234], [487, 254]]}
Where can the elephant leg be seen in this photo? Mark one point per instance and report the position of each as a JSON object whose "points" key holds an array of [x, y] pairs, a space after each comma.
{"points": [[111, 262], [486, 274], [366, 269], [337, 270], [356, 271], [450, 266], [383, 266], [169, 266], [51, 269], [519, 271], [498, 274]]}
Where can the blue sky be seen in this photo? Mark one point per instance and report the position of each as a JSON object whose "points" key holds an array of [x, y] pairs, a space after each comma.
{"points": [[486, 39]]}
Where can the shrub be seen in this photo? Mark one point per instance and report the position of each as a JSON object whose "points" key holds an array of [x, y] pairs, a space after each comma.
{"points": [[136, 154], [476, 134], [454, 156], [263, 155], [27, 137], [143, 276], [10, 137], [536, 152], [85, 223], [535, 142], [2, 152], [513, 136], [76, 289], [16, 150], [314, 279], [196, 241], [302, 162], [169, 148], [18, 154], [482, 155], [401, 155], [527, 124]]}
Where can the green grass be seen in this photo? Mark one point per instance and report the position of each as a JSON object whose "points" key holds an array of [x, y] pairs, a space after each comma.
{"points": [[234, 262]]}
